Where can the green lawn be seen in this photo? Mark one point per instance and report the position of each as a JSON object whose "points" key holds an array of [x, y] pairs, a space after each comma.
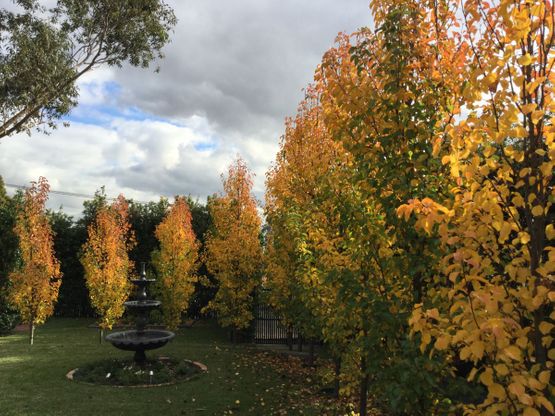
{"points": [[239, 379]]}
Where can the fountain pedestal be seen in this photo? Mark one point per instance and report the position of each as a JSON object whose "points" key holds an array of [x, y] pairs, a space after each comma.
{"points": [[141, 339]]}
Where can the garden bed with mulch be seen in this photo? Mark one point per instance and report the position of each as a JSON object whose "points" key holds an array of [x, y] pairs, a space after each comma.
{"points": [[126, 373]]}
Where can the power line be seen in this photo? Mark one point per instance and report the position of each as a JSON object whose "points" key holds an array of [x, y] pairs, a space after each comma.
{"points": [[64, 193]]}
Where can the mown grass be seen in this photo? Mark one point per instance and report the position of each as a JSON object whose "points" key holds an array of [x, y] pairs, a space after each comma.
{"points": [[33, 378]]}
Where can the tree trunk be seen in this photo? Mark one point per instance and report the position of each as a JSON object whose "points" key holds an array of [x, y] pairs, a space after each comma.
{"points": [[300, 340], [417, 287], [100, 335], [31, 332], [337, 362], [363, 388]]}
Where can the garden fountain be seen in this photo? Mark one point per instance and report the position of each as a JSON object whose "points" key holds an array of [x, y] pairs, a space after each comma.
{"points": [[141, 339]]}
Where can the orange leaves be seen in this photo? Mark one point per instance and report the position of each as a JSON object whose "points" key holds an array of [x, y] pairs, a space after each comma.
{"points": [[176, 261], [429, 213], [233, 251], [36, 281], [106, 262], [478, 187], [497, 236], [301, 210]]}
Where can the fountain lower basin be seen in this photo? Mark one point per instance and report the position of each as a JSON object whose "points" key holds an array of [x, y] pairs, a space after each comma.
{"points": [[140, 341], [132, 340]]}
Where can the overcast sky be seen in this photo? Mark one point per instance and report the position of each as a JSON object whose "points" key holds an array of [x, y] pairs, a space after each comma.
{"points": [[233, 71]]}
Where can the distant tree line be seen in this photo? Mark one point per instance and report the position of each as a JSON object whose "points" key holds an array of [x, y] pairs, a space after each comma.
{"points": [[69, 236]]}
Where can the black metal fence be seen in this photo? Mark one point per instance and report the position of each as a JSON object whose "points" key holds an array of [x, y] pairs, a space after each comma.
{"points": [[269, 327]]}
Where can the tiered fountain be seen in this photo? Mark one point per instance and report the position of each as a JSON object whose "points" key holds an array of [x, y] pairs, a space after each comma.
{"points": [[141, 339]]}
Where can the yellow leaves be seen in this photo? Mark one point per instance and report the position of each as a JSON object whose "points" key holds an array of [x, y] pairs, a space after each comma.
{"points": [[490, 82], [426, 338], [489, 151], [514, 154], [527, 109], [530, 411], [531, 86], [415, 321], [477, 349], [546, 328], [524, 237], [472, 374], [521, 23], [465, 353], [518, 201], [454, 167], [524, 172], [175, 262], [497, 391], [233, 252], [536, 116], [535, 384], [106, 262], [504, 232], [433, 313], [517, 389], [537, 211], [486, 378], [442, 342], [525, 60], [546, 168], [544, 377], [436, 146], [512, 352], [522, 342], [542, 401], [482, 295], [501, 369]]}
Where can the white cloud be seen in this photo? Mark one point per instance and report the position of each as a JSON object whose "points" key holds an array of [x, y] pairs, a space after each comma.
{"points": [[141, 159], [241, 63], [233, 72]]}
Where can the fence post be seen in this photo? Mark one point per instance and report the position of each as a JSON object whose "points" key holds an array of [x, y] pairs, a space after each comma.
{"points": [[289, 340]]}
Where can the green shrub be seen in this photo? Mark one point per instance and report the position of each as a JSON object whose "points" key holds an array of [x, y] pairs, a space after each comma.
{"points": [[8, 318]]}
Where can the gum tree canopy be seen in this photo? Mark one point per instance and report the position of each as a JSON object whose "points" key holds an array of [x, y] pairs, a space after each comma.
{"points": [[43, 51]]}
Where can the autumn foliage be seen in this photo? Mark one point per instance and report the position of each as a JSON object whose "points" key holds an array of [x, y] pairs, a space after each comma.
{"points": [[410, 207], [496, 226], [106, 262], [176, 261], [409, 210], [294, 189], [35, 282], [233, 251]]}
